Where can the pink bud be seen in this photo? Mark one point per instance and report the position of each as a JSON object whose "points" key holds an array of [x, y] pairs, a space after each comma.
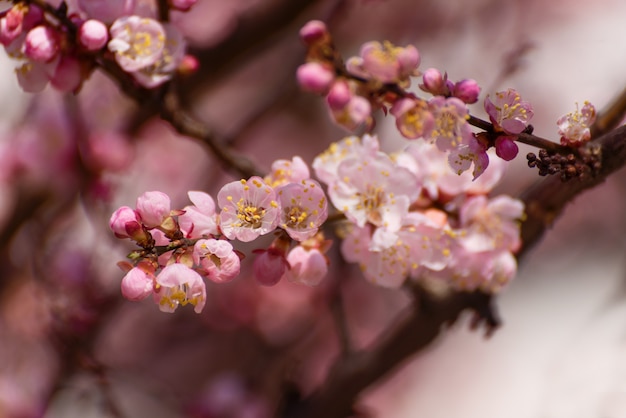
{"points": [[68, 74], [339, 95], [409, 59], [313, 31], [188, 65], [41, 44], [506, 148], [137, 285], [466, 90], [434, 82], [315, 77], [93, 35], [269, 266], [307, 267], [120, 218], [11, 25], [153, 208]]}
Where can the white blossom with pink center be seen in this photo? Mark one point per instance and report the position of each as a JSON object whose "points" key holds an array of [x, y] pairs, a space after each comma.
{"points": [[166, 64], [199, 219], [574, 127], [451, 129], [178, 285], [137, 42], [385, 62], [491, 224], [249, 208], [327, 163], [217, 259], [508, 112], [304, 208], [374, 190]]}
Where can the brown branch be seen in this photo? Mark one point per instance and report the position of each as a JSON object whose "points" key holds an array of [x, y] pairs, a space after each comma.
{"points": [[423, 323], [547, 198], [611, 116]]}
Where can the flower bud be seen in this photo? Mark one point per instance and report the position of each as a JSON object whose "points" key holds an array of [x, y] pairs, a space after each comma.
{"points": [[313, 31], [41, 44], [466, 90], [315, 77], [506, 148], [93, 35]]}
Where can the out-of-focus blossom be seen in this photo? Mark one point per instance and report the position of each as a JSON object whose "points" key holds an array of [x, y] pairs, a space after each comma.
{"points": [[269, 266], [178, 285], [137, 284], [249, 208], [41, 44], [315, 77], [467, 90], [167, 63], [137, 42], [574, 127], [508, 112], [107, 10], [11, 24], [348, 109], [93, 35], [413, 117], [436, 83], [182, 5], [385, 62], [313, 31], [68, 74], [307, 266]]}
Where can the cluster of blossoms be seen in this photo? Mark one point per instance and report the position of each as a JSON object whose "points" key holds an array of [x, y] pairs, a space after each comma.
{"points": [[377, 79], [64, 53], [180, 247], [409, 216]]}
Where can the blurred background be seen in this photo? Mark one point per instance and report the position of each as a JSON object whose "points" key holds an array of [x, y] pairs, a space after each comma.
{"points": [[70, 346]]}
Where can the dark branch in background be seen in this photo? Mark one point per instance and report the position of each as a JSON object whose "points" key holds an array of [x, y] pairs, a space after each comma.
{"points": [[422, 323]]}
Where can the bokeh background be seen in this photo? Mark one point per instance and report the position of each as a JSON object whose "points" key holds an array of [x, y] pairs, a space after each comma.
{"points": [[71, 347]]}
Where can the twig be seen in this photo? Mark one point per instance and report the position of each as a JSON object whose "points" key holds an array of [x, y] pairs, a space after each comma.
{"points": [[610, 117]]}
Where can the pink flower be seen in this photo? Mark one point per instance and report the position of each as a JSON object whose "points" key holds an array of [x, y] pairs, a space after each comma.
{"points": [[385, 62], [413, 118], [315, 77], [574, 127], [199, 220], [451, 128], [168, 61], [307, 266], [217, 259], [137, 284], [153, 208], [41, 44], [327, 163], [93, 35], [462, 157], [508, 112], [11, 24], [491, 224], [249, 209], [304, 208], [33, 77], [137, 42], [349, 110], [287, 171], [269, 266], [178, 285], [374, 190]]}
